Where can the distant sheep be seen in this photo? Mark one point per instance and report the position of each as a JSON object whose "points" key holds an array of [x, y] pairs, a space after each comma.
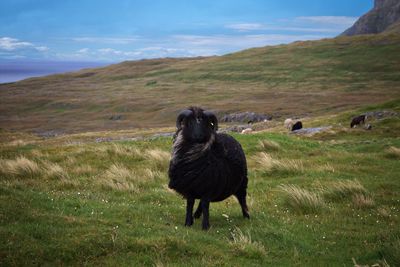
{"points": [[357, 121], [247, 131], [206, 165], [297, 126], [288, 124]]}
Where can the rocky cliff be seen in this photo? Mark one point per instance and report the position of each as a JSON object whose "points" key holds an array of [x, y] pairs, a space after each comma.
{"points": [[384, 15]]}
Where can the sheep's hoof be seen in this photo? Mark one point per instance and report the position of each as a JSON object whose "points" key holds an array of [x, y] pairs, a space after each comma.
{"points": [[189, 222], [246, 215], [205, 227]]}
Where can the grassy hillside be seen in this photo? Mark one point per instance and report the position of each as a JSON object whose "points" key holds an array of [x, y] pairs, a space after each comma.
{"points": [[302, 78], [332, 199]]}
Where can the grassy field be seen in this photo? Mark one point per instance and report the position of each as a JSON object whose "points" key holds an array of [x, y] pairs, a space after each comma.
{"points": [[300, 79], [330, 199]]}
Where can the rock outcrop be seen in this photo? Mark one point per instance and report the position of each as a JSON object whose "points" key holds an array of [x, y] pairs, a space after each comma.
{"points": [[246, 117], [385, 14]]}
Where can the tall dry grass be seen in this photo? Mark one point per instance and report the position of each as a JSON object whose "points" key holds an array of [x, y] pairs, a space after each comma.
{"points": [[244, 243], [157, 157], [83, 169], [125, 150], [344, 189], [327, 167], [21, 167], [393, 152], [268, 145], [54, 170], [362, 201], [269, 164], [118, 177], [302, 200]]}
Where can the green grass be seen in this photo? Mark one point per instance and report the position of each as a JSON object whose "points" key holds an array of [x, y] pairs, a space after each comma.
{"points": [[108, 203]]}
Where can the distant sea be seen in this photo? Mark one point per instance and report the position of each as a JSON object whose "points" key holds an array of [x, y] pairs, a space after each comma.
{"points": [[12, 71]]}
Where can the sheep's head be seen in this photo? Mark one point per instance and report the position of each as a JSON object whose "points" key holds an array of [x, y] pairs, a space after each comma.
{"points": [[196, 125]]}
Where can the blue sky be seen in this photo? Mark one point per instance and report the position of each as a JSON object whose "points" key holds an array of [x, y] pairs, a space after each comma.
{"points": [[112, 31]]}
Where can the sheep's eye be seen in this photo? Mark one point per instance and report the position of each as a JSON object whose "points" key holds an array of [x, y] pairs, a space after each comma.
{"points": [[212, 124]]}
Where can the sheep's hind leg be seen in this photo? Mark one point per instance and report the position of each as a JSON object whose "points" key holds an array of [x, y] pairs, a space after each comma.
{"points": [[189, 211], [241, 196], [198, 211], [205, 204]]}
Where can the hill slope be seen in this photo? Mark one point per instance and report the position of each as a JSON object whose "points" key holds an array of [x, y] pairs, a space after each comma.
{"points": [[327, 200], [384, 14], [297, 79]]}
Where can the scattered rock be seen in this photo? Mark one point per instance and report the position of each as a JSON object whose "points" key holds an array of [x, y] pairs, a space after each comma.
{"points": [[311, 131], [380, 114], [116, 117], [155, 136], [235, 129], [247, 117], [103, 139], [50, 134], [110, 139]]}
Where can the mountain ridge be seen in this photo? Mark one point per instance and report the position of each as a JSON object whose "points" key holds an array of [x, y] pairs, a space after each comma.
{"points": [[384, 14]]}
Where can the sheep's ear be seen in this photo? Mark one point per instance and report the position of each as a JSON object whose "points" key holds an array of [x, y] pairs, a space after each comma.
{"points": [[213, 119], [183, 114]]}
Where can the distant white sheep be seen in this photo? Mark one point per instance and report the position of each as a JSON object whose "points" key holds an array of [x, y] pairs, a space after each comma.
{"points": [[247, 131], [288, 124]]}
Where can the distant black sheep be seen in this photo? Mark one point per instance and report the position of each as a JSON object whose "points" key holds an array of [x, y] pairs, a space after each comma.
{"points": [[297, 126], [206, 165], [357, 120]]}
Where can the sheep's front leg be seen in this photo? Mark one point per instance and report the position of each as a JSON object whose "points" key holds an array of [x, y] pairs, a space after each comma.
{"points": [[189, 211], [205, 204]]}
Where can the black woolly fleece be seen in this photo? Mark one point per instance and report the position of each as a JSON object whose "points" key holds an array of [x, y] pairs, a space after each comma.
{"points": [[214, 170]]}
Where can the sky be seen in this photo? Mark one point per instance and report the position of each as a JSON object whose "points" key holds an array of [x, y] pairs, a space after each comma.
{"points": [[118, 30]]}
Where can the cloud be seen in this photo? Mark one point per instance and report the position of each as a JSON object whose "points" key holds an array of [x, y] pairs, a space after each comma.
{"points": [[42, 48], [101, 54], [109, 54], [285, 28], [246, 26], [241, 41], [178, 50], [12, 48], [114, 52], [233, 37], [187, 46], [332, 20], [315, 24], [105, 40], [11, 44], [83, 51]]}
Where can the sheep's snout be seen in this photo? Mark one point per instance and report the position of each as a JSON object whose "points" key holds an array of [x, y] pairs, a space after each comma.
{"points": [[197, 133]]}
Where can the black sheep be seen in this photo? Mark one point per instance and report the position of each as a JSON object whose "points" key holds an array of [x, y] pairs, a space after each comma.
{"points": [[357, 120], [297, 126], [206, 165]]}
